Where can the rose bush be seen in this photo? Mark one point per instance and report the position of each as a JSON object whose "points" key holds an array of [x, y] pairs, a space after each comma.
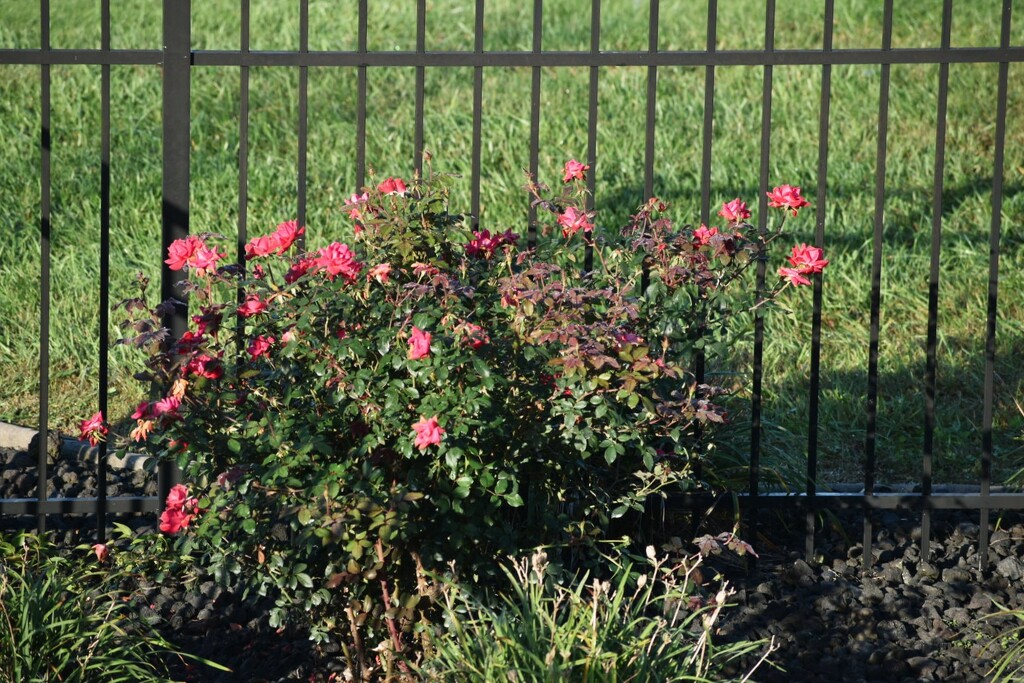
{"points": [[349, 418]]}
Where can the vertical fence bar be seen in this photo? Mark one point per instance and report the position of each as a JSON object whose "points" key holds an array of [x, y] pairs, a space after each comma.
{"points": [[243, 147], [421, 49], [478, 96], [705, 206], [243, 166], [534, 169], [595, 49], [709, 119], [819, 241], [871, 433], [44, 257], [652, 98], [303, 112], [931, 361], [650, 123], [361, 102], [762, 217], [993, 286], [104, 336], [175, 205]]}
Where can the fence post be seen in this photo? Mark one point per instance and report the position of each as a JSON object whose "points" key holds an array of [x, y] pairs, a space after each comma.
{"points": [[176, 104]]}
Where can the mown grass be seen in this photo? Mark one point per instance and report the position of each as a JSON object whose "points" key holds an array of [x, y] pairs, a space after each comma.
{"points": [[273, 150]]}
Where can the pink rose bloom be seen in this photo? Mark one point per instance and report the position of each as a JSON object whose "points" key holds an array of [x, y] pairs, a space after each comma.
{"points": [[428, 433], [734, 211], [102, 551], [787, 197], [205, 260], [793, 276], [253, 306], [572, 221], [173, 521], [93, 430], [177, 496], [259, 246], [167, 408], [179, 510], [181, 252], [143, 411], [356, 201], [298, 269], [483, 244], [286, 235], [703, 235], [392, 186], [419, 344], [278, 241], [337, 259], [381, 273], [575, 170], [204, 366], [808, 260], [260, 346], [289, 336]]}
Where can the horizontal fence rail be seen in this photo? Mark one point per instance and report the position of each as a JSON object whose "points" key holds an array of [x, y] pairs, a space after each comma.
{"points": [[178, 61], [554, 58]]}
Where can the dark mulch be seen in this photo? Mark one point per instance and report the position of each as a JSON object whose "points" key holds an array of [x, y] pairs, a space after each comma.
{"points": [[907, 619]]}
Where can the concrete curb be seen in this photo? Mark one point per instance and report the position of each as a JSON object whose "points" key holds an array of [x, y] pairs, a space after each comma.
{"points": [[20, 438]]}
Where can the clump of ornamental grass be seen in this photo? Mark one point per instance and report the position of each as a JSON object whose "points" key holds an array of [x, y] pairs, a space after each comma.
{"points": [[649, 621], [351, 418], [67, 619], [1009, 644]]}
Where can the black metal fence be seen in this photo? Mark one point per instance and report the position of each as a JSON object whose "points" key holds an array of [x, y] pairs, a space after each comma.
{"points": [[178, 60]]}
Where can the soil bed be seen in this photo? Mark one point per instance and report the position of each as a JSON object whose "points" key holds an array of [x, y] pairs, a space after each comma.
{"points": [[907, 619]]}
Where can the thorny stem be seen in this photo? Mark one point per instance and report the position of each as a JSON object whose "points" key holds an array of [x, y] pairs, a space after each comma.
{"points": [[357, 640], [396, 636]]}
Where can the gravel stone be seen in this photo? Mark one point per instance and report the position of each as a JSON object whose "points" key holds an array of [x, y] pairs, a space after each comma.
{"points": [[884, 627], [1011, 568]]}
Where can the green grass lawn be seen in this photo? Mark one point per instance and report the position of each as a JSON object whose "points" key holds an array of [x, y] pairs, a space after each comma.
{"points": [[136, 147]]}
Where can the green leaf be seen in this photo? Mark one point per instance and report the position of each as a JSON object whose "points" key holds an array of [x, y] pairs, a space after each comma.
{"points": [[234, 445], [462, 487], [304, 516], [249, 525], [648, 460]]}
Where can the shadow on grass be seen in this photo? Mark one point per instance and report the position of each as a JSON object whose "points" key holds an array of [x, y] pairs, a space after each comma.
{"points": [[843, 439]]}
